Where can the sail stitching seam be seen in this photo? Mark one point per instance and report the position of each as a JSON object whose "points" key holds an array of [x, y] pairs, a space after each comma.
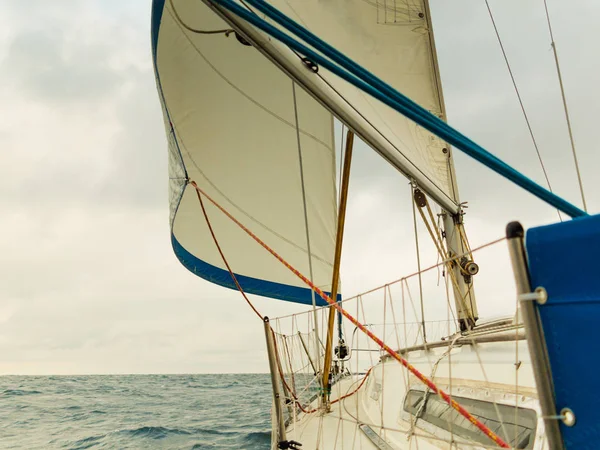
{"points": [[252, 100]]}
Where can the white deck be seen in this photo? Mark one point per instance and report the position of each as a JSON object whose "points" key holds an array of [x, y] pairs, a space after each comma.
{"points": [[379, 403]]}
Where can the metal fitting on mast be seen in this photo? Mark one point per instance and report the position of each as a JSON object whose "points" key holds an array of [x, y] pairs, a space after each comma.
{"points": [[460, 265], [464, 295], [463, 269]]}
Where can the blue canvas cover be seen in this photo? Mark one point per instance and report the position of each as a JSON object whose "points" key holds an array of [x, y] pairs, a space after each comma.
{"points": [[564, 258]]}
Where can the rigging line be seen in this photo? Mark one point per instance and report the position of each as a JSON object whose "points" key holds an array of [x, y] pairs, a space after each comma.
{"points": [[451, 311], [517, 366], [382, 398], [268, 111], [406, 146], [367, 325], [517, 360], [356, 75], [439, 225], [366, 97], [434, 266], [427, 391], [443, 395], [465, 240], [404, 374], [514, 82], [223, 256], [412, 303], [310, 266], [564, 100], [440, 96], [226, 31], [434, 225], [456, 328], [475, 347], [279, 356], [289, 363], [465, 296], [284, 382], [440, 247], [418, 261]]}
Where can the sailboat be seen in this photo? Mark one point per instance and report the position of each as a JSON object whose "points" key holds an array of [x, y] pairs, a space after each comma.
{"points": [[251, 94]]}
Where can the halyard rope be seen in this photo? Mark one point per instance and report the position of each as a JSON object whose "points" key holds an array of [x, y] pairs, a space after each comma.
{"points": [[461, 410]]}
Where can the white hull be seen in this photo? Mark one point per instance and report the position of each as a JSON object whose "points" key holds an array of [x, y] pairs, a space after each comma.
{"points": [[375, 417]]}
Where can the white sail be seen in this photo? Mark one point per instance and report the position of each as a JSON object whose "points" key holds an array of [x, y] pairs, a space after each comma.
{"points": [[231, 116], [392, 40]]}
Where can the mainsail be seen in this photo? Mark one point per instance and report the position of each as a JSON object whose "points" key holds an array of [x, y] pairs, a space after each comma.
{"points": [[393, 41], [241, 128]]}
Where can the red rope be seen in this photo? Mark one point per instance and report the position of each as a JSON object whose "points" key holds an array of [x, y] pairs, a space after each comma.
{"points": [[221, 252], [355, 390], [461, 410]]}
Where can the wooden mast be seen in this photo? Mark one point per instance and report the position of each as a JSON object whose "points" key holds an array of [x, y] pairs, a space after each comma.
{"points": [[336, 266]]}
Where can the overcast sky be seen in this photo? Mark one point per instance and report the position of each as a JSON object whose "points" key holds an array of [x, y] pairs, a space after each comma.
{"points": [[89, 283]]}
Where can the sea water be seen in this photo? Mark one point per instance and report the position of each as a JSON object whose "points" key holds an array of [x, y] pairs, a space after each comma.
{"points": [[227, 411]]}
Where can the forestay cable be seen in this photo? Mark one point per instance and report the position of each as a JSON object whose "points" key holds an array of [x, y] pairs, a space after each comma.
{"points": [[514, 82], [310, 266], [564, 100]]}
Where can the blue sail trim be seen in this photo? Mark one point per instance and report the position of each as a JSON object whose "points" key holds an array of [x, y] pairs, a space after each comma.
{"points": [[158, 7], [564, 260], [250, 285], [347, 69]]}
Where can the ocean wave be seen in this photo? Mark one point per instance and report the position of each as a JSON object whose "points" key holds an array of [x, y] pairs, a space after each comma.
{"points": [[213, 386], [224, 412], [87, 442], [9, 392], [258, 437], [153, 432]]}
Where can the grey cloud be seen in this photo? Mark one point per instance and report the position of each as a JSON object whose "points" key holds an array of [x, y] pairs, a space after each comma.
{"points": [[103, 141], [52, 69], [140, 147], [89, 281]]}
